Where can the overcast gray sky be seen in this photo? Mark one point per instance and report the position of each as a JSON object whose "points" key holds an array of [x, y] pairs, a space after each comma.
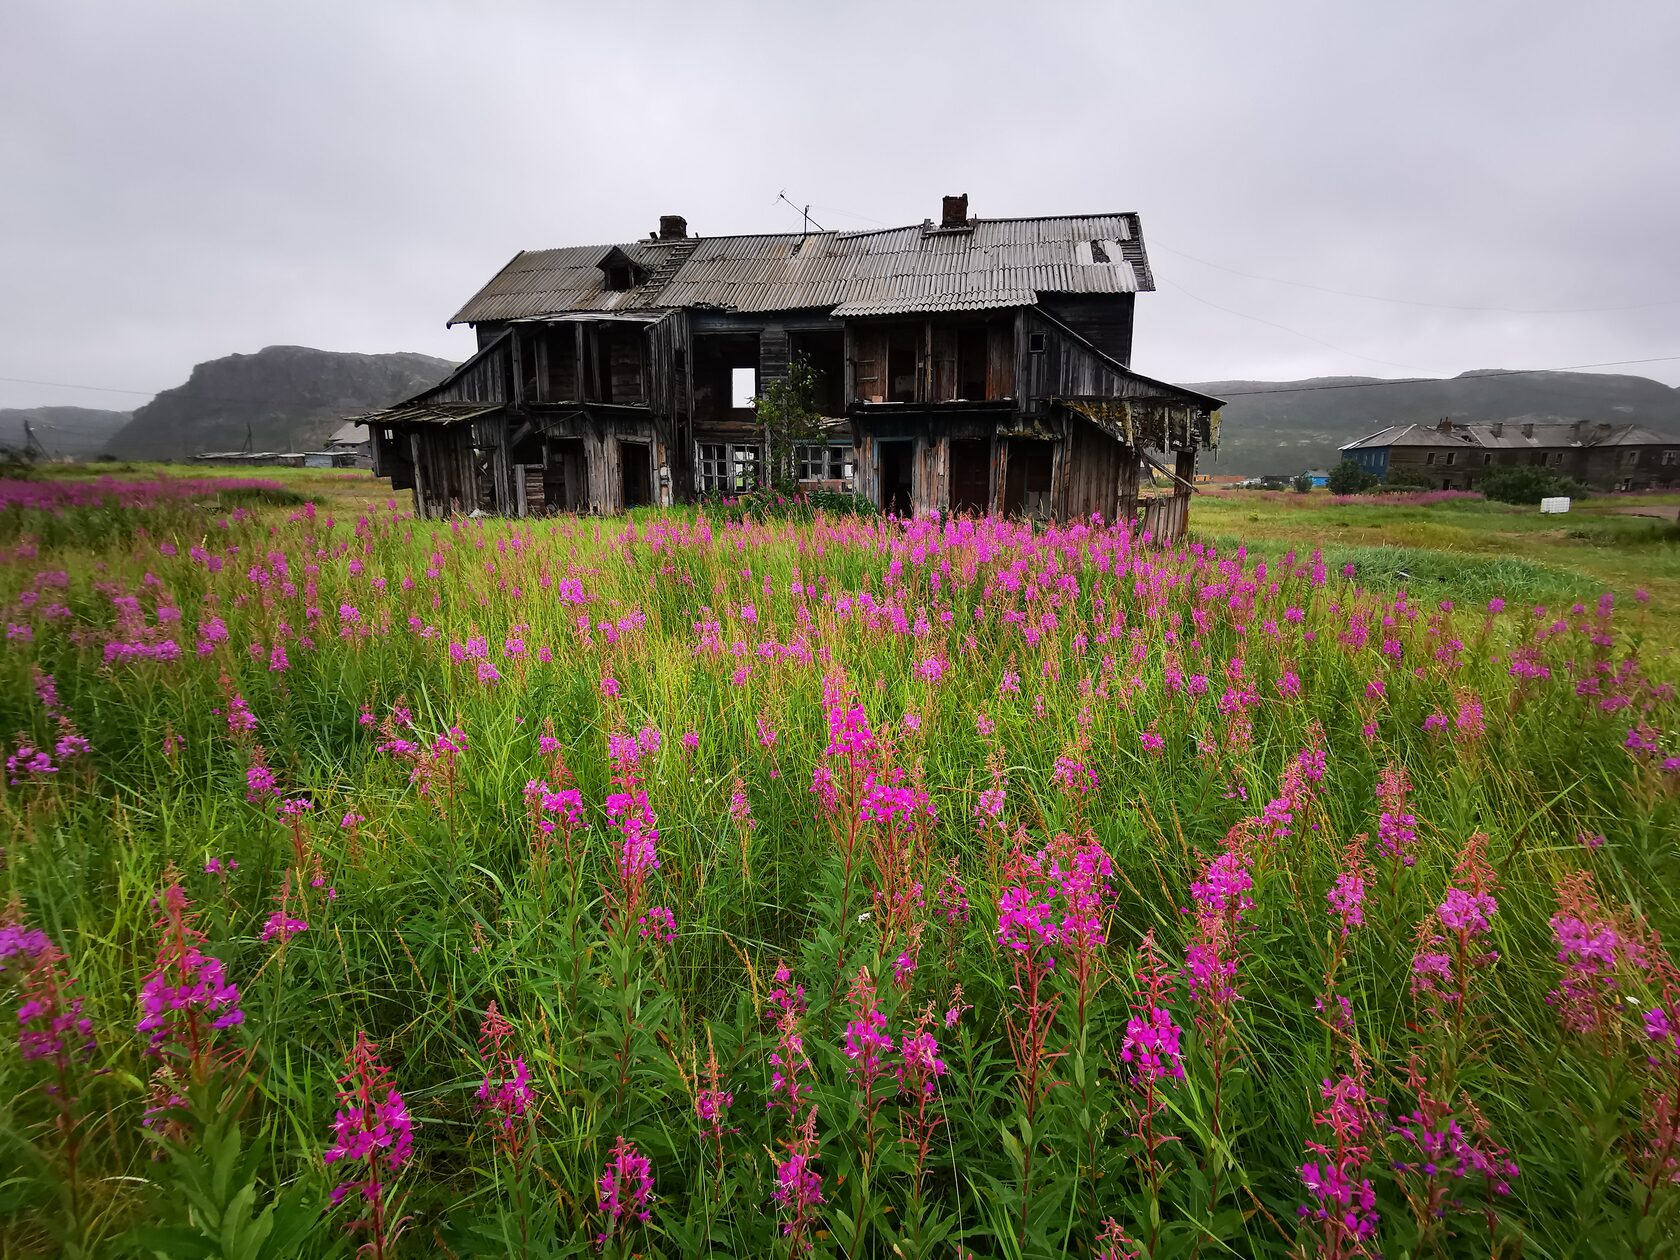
{"points": [[186, 180]]}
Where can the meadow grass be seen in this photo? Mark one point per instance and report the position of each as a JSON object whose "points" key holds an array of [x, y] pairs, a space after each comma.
{"points": [[841, 885]]}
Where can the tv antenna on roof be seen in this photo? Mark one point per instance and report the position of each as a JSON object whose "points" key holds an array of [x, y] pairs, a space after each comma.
{"points": [[804, 212]]}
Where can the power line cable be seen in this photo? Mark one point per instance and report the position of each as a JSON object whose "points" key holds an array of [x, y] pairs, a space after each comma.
{"points": [[1439, 306], [1296, 332]]}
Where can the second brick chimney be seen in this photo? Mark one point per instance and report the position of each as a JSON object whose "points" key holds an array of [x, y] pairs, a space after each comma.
{"points": [[672, 227], [955, 214]]}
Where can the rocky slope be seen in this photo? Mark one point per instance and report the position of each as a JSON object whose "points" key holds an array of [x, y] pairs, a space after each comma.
{"points": [[62, 432], [287, 398]]}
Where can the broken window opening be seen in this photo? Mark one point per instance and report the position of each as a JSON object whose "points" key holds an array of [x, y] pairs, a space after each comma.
{"points": [[716, 356], [559, 376], [903, 362], [747, 468], [635, 468], [726, 467], [743, 387], [825, 354], [825, 463]]}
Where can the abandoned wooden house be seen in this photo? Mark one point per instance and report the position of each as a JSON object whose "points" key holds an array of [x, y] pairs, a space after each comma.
{"points": [[964, 365]]}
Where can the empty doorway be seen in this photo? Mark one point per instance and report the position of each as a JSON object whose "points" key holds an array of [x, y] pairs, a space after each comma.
{"points": [[1026, 485], [565, 478], [635, 467], [897, 476], [971, 461]]}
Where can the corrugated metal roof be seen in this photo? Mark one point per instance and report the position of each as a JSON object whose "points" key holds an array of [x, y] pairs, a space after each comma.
{"points": [[993, 263], [1547, 435], [349, 434], [906, 304], [429, 413]]}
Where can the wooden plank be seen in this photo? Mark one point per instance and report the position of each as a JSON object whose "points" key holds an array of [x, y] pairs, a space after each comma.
{"points": [[773, 354], [866, 361], [419, 477], [943, 361]]}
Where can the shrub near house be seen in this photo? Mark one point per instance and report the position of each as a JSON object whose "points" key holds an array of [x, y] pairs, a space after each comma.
{"points": [[1348, 477]]}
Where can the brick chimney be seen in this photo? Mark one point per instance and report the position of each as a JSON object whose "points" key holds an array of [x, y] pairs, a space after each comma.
{"points": [[955, 212], [1444, 425], [1498, 428], [672, 227], [1528, 430], [1602, 430]]}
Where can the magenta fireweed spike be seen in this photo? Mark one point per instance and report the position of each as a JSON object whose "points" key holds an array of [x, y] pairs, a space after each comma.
{"points": [[373, 1137]]}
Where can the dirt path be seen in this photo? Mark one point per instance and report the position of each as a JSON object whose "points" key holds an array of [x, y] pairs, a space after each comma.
{"points": [[1658, 512]]}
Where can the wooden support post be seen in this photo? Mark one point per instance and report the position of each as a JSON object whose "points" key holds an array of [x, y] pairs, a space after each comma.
{"points": [[419, 477], [517, 393]]}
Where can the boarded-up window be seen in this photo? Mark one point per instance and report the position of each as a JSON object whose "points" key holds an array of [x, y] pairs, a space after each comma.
{"points": [[971, 362]]}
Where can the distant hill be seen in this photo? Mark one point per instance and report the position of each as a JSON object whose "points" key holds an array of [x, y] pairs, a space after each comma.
{"points": [[63, 432], [289, 398], [1286, 426]]}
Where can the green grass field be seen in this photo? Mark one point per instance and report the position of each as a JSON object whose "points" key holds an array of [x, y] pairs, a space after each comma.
{"points": [[674, 885]]}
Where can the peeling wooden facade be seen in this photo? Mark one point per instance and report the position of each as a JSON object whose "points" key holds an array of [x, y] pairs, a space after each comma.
{"points": [[977, 366]]}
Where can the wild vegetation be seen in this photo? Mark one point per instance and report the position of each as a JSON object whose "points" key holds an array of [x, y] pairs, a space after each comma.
{"points": [[822, 884]]}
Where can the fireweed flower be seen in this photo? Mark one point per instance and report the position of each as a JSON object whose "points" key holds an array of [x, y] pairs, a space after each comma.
{"points": [[625, 1188], [1439, 1156], [283, 924], [658, 923], [1224, 891], [185, 998], [1396, 828], [51, 1026], [1343, 1200], [373, 1136], [1115, 1243], [798, 1188], [798, 1185], [28, 764], [1450, 946], [1074, 778], [1152, 1048], [1591, 949], [504, 1095], [1347, 894], [711, 1108]]}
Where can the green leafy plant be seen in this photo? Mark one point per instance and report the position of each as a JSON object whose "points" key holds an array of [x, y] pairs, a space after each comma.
{"points": [[1348, 477]]}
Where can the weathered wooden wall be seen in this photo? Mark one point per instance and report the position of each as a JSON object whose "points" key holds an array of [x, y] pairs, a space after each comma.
{"points": [[936, 362], [489, 380], [1062, 368], [442, 459], [1105, 320]]}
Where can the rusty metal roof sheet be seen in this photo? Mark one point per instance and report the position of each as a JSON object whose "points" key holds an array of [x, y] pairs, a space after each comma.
{"points": [[428, 413], [991, 263]]}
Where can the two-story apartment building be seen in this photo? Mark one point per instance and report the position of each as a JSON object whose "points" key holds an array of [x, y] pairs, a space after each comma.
{"points": [[1457, 456], [968, 365]]}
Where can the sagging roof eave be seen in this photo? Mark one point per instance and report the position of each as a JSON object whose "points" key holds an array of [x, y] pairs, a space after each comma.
{"points": [[1206, 401], [482, 290]]}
